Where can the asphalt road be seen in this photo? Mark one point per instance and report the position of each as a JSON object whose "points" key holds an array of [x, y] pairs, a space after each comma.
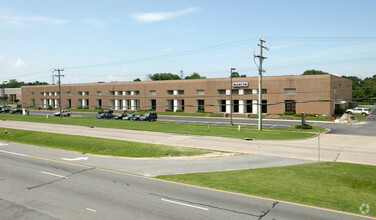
{"points": [[34, 187], [366, 128]]}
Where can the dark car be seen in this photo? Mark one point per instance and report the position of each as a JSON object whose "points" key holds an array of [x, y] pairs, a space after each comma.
{"points": [[109, 111], [5, 110], [105, 116], [135, 118], [132, 117], [149, 116], [128, 117], [16, 111], [119, 116]]}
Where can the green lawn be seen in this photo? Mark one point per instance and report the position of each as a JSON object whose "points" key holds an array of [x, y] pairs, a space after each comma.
{"points": [[340, 186], [181, 128], [96, 145]]}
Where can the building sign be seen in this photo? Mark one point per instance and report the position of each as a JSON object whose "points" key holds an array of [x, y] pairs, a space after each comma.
{"points": [[240, 84]]}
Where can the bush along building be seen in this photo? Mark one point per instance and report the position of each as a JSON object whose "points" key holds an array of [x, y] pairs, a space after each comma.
{"points": [[313, 94]]}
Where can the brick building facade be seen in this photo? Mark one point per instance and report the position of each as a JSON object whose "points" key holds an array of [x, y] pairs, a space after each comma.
{"points": [[315, 94]]}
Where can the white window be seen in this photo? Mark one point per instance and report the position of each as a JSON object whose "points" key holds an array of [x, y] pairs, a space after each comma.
{"points": [[290, 91], [200, 92]]}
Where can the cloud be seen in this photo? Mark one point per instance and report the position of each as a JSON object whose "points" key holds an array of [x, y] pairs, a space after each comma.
{"points": [[160, 16], [94, 23], [19, 62], [11, 20], [111, 77], [124, 70]]}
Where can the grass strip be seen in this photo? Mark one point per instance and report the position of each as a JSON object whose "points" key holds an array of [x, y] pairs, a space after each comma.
{"points": [[93, 145], [340, 186], [180, 128]]}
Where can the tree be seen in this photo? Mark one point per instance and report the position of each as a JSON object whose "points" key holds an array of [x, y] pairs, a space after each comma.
{"points": [[314, 72], [137, 80], [195, 76], [236, 74], [163, 76], [13, 83]]}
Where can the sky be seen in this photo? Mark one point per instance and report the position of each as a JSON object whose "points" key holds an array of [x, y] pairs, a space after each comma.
{"points": [[121, 40]]}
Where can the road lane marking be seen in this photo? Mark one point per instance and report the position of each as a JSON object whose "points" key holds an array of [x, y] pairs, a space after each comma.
{"points": [[92, 210], [2, 144], [52, 174], [179, 203], [206, 188], [9, 152], [77, 158]]}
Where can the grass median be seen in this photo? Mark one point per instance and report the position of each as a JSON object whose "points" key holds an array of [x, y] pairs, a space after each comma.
{"points": [[340, 186], [180, 128], [93, 145]]}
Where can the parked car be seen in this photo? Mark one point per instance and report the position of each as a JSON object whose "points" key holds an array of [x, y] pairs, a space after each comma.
{"points": [[109, 111], [119, 116], [132, 117], [135, 118], [16, 111], [64, 113], [5, 110], [128, 117], [149, 116], [105, 116], [358, 110]]}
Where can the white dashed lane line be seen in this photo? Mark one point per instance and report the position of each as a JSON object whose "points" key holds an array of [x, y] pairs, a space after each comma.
{"points": [[179, 203], [53, 174]]}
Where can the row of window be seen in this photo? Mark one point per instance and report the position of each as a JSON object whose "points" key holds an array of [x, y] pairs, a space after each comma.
{"points": [[287, 91]]}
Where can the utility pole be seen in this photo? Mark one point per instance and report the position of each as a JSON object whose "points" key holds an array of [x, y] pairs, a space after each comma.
{"points": [[58, 75], [261, 58], [53, 78]]}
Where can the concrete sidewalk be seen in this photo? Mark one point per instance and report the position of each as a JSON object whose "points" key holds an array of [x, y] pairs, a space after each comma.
{"points": [[342, 148]]}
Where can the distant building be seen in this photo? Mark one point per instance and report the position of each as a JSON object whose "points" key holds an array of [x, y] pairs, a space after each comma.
{"points": [[314, 94]]}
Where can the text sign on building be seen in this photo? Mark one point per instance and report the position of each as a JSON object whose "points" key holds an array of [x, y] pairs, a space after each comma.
{"points": [[240, 84]]}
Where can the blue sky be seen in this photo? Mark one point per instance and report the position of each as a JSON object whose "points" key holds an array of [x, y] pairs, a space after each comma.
{"points": [[123, 40]]}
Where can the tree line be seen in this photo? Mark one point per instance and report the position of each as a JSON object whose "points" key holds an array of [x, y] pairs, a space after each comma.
{"points": [[13, 83], [363, 90]]}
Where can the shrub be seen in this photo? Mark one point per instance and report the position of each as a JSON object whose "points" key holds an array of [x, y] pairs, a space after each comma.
{"points": [[50, 107], [180, 110], [303, 126], [339, 111], [289, 113], [298, 115], [169, 110], [200, 111]]}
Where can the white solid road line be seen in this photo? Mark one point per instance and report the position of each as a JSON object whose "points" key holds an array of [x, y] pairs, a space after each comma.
{"points": [[9, 152], [52, 174], [92, 210], [2, 144], [179, 203]]}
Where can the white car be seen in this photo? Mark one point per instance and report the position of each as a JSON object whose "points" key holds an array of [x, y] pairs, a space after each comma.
{"points": [[358, 110], [64, 113]]}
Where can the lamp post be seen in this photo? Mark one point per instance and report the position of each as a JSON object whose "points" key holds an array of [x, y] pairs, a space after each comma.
{"points": [[4, 91], [231, 96]]}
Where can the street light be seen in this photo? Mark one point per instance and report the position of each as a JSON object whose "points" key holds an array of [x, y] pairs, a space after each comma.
{"points": [[231, 96], [4, 91]]}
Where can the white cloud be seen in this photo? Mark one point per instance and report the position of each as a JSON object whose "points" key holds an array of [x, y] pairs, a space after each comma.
{"points": [[22, 21], [160, 16], [94, 23], [19, 62], [111, 77], [124, 70]]}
